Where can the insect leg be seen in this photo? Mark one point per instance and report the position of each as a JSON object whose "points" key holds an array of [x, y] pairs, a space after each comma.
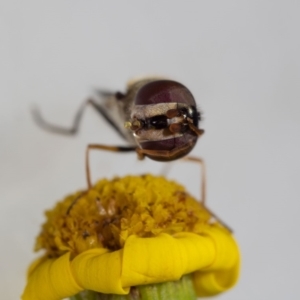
{"points": [[87, 166], [203, 188], [75, 201], [37, 116], [202, 174], [105, 148]]}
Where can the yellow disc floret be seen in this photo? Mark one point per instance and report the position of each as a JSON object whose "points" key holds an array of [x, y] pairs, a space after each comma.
{"points": [[106, 215]]}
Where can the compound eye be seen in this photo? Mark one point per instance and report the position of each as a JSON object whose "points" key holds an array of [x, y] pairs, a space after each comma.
{"points": [[158, 122], [164, 91]]}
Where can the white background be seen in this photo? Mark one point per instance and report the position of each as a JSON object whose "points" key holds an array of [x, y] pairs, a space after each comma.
{"points": [[241, 61]]}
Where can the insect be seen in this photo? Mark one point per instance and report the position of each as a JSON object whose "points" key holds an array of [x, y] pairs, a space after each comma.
{"points": [[157, 117]]}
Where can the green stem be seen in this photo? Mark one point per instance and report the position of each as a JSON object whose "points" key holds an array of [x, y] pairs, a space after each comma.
{"points": [[174, 290]]}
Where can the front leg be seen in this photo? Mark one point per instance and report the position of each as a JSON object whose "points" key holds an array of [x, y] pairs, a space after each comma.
{"points": [[105, 148]]}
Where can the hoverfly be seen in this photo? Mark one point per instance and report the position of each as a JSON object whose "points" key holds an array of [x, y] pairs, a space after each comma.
{"points": [[157, 117]]}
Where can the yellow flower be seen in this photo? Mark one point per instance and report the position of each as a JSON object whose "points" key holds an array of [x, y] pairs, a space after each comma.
{"points": [[128, 232]]}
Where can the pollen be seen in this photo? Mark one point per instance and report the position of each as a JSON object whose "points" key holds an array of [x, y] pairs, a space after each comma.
{"points": [[127, 125], [112, 210]]}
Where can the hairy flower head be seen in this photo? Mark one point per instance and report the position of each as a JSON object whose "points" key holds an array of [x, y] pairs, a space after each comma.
{"points": [[130, 231], [114, 210]]}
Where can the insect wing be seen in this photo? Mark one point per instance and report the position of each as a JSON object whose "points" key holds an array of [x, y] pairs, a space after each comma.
{"points": [[111, 107]]}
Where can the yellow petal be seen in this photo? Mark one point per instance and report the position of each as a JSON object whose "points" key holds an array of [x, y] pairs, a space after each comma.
{"points": [[215, 282], [164, 258], [224, 272], [52, 279], [226, 248], [214, 255], [99, 270]]}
